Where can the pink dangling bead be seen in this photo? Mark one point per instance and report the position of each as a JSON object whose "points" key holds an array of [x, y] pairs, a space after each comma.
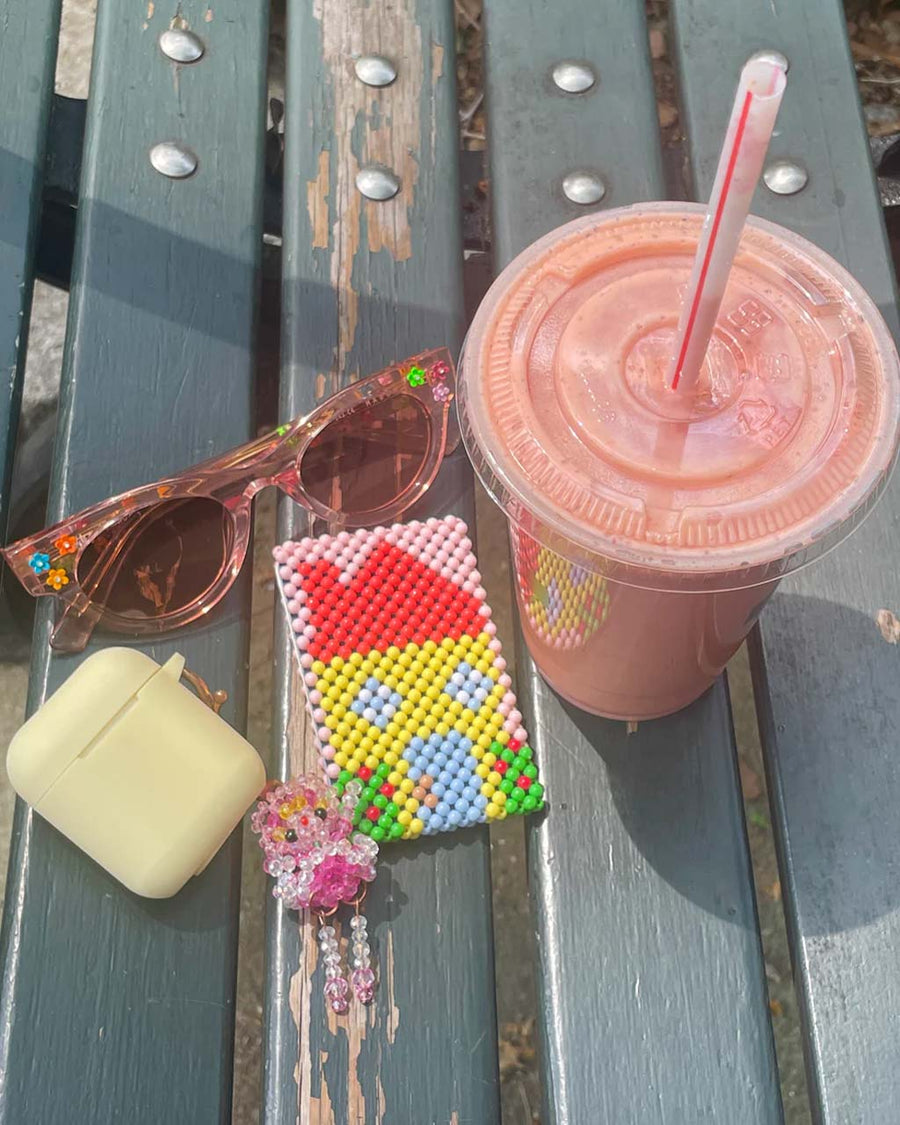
{"points": [[337, 992]]}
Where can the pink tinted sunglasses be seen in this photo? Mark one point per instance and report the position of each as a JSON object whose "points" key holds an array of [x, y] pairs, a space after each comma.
{"points": [[163, 555]]}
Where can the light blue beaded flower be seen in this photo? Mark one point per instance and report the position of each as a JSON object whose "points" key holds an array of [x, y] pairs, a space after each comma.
{"points": [[39, 562]]}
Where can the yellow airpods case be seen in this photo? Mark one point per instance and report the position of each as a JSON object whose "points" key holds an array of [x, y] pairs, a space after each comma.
{"points": [[129, 764]]}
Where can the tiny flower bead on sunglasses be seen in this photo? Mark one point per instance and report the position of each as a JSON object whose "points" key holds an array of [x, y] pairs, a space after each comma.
{"points": [[39, 563], [57, 578], [415, 377], [438, 371], [66, 544]]}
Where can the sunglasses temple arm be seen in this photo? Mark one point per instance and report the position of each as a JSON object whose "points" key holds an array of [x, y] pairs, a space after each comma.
{"points": [[79, 618], [75, 625], [453, 435]]}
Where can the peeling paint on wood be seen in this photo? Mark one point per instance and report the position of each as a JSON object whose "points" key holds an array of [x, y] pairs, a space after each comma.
{"points": [[889, 625], [389, 117], [358, 1021], [393, 1021], [380, 127], [437, 69], [300, 1004], [317, 203], [326, 1113]]}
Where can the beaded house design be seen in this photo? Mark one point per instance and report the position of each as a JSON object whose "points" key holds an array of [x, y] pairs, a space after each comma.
{"points": [[405, 678]]}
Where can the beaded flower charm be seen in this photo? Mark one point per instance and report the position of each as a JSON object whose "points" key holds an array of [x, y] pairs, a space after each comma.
{"points": [[318, 862], [405, 679]]}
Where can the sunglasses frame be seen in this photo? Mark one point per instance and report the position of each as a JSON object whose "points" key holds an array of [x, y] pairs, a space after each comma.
{"points": [[47, 563]]}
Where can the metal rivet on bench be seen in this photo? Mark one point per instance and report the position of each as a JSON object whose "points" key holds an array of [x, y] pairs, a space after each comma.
{"points": [[181, 46], [375, 70], [173, 159], [377, 183], [583, 187], [785, 177], [573, 77], [771, 56]]}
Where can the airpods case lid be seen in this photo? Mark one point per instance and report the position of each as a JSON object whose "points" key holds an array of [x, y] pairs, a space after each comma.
{"points": [[131, 766]]}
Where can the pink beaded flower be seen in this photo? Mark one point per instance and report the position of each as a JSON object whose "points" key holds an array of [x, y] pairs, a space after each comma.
{"points": [[315, 857]]}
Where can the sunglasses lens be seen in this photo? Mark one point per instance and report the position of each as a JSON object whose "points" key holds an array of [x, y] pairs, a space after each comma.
{"points": [[157, 561], [369, 457]]}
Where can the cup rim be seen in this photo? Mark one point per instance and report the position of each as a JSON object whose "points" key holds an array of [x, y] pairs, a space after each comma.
{"points": [[667, 567]]}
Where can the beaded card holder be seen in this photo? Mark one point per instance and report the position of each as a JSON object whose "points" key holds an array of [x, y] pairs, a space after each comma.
{"points": [[406, 683]]}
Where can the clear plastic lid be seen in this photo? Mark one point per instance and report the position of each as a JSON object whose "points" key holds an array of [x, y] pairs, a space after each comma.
{"points": [[776, 453]]}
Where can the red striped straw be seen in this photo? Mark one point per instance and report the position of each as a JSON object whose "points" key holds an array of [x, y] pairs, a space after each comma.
{"points": [[756, 103]]}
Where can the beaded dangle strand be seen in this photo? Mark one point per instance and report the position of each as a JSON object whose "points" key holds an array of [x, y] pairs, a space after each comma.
{"points": [[362, 977], [337, 987]]}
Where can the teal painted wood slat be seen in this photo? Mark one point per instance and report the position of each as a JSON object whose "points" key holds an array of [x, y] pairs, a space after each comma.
{"points": [[827, 683], [366, 283], [654, 1000], [116, 1008], [610, 130], [27, 62]]}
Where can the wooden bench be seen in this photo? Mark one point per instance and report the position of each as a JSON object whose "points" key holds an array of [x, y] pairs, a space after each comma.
{"points": [[652, 992]]}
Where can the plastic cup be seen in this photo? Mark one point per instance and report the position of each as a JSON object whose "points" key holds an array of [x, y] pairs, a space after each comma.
{"points": [[649, 526]]}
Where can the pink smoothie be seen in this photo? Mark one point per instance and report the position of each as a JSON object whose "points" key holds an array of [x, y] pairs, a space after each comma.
{"points": [[649, 526]]}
